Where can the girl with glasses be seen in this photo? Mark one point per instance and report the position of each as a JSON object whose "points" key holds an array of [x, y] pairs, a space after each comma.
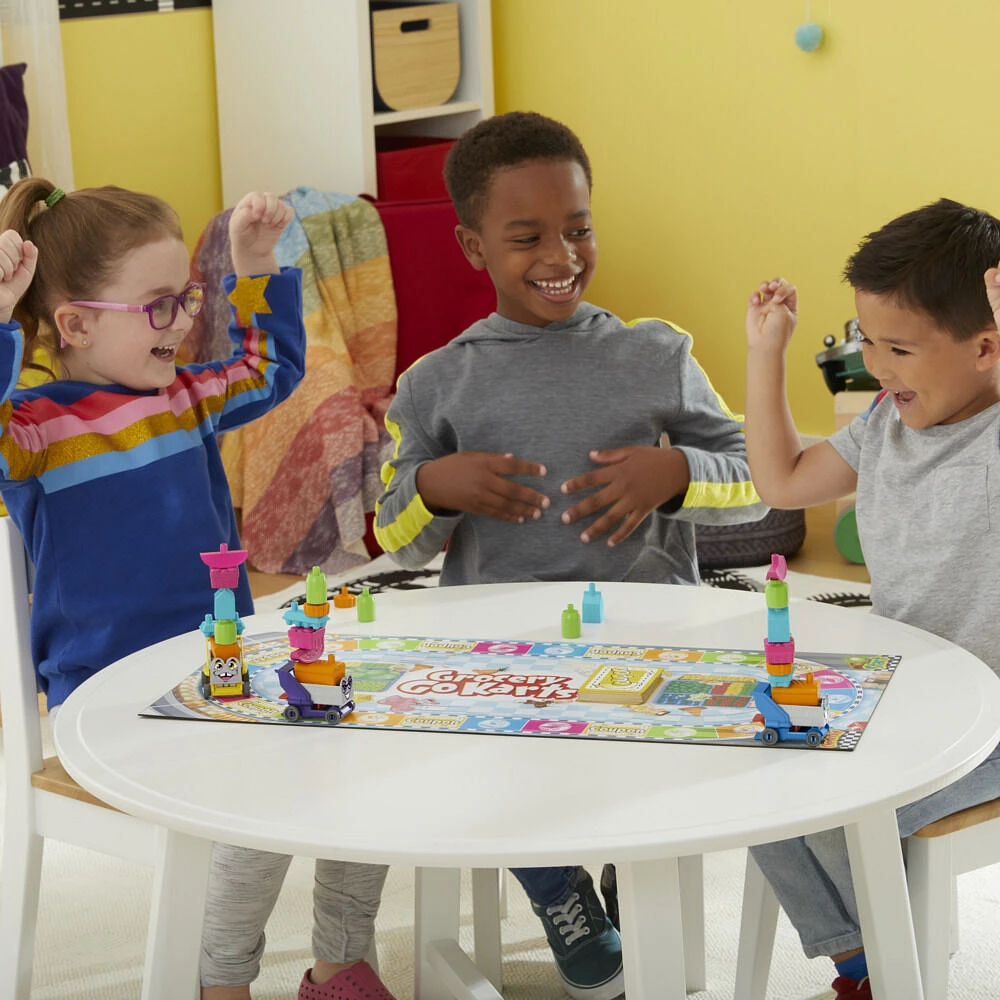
{"points": [[111, 470]]}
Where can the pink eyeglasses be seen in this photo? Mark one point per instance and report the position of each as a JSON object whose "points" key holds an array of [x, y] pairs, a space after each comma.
{"points": [[161, 311]]}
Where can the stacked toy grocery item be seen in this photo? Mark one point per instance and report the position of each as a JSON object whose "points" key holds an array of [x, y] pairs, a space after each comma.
{"points": [[317, 686], [224, 674], [792, 707]]}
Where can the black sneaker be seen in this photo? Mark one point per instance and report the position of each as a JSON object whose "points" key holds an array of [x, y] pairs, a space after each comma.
{"points": [[585, 944]]}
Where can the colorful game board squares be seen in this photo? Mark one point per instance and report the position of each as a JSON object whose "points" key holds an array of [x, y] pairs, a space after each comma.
{"points": [[337, 644], [444, 722], [617, 730], [493, 724], [444, 645], [389, 642], [504, 648], [554, 727], [673, 655], [380, 719], [615, 652], [557, 649]]}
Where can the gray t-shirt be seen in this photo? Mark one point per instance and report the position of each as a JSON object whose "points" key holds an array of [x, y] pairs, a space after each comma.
{"points": [[928, 510]]}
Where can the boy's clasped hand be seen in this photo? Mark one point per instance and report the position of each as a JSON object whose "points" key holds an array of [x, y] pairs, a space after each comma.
{"points": [[627, 486]]}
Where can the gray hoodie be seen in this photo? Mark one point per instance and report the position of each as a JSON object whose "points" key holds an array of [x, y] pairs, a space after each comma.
{"points": [[551, 395]]}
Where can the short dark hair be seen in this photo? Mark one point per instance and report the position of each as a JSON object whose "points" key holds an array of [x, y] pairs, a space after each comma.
{"points": [[932, 260], [506, 140]]}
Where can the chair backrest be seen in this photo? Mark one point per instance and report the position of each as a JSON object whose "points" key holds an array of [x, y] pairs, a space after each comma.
{"points": [[22, 736]]}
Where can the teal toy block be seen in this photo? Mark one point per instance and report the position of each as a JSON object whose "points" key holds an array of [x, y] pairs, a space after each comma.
{"points": [[593, 605], [225, 604], [778, 626]]}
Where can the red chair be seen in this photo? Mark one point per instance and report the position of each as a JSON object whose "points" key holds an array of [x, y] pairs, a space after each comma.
{"points": [[438, 293]]}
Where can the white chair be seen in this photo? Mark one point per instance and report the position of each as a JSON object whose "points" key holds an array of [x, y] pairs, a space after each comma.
{"points": [[935, 856], [43, 801]]}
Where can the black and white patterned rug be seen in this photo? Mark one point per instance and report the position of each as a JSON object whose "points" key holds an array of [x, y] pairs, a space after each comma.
{"points": [[382, 574]]}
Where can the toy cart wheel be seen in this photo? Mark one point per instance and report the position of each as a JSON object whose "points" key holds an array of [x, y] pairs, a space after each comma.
{"points": [[292, 713], [333, 715], [769, 737], [246, 689], [206, 688], [813, 738]]}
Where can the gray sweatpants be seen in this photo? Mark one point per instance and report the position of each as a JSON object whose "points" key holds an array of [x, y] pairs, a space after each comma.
{"points": [[242, 890]]}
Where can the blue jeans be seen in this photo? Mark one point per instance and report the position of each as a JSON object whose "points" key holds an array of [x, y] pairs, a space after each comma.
{"points": [[811, 876], [545, 886]]}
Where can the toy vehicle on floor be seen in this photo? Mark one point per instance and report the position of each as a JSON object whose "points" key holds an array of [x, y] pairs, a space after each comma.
{"points": [[807, 724], [318, 690]]}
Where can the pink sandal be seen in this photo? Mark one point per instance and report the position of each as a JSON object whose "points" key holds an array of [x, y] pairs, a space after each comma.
{"points": [[359, 982]]}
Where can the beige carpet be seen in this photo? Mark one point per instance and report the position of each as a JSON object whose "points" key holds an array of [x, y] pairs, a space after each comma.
{"points": [[93, 911]]}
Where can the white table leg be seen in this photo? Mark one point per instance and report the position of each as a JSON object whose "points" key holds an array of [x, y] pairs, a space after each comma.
{"points": [[437, 904], [176, 917], [649, 904], [884, 906], [758, 925], [691, 870], [486, 911]]}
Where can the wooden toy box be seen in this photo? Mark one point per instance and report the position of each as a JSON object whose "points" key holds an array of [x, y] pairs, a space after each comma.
{"points": [[415, 54]]}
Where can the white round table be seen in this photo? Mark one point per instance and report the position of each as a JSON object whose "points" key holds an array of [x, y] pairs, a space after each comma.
{"points": [[444, 801]]}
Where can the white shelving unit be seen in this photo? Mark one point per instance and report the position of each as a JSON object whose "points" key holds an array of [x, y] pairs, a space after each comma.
{"points": [[294, 84]]}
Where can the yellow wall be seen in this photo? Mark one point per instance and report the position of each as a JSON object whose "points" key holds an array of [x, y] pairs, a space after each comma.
{"points": [[140, 91], [723, 154]]}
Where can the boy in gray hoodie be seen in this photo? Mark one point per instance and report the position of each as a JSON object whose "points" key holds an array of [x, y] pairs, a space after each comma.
{"points": [[531, 443]]}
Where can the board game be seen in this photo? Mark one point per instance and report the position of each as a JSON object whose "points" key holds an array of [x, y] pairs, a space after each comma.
{"points": [[524, 688]]}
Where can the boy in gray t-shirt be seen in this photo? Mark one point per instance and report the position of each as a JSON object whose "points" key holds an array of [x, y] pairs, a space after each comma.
{"points": [[924, 460]]}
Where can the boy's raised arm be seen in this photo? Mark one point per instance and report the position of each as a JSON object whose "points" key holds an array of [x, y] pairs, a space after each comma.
{"points": [[785, 474]]}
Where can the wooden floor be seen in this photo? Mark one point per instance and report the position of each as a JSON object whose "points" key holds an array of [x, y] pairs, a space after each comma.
{"points": [[818, 557], [268, 583]]}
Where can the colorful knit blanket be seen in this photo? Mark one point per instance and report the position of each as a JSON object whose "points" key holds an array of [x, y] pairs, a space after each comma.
{"points": [[305, 475]]}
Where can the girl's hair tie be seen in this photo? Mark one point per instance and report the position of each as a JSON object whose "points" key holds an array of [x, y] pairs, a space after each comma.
{"points": [[56, 194]]}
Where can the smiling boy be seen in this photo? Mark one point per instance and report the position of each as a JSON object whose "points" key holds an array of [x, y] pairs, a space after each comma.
{"points": [[499, 432], [924, 460], [531, 443]]}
